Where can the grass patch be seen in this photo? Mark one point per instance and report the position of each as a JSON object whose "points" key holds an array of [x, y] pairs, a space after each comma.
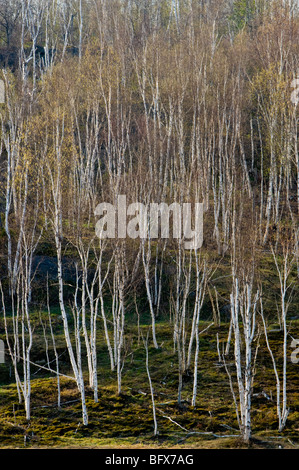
{"points": [[127, 420]]}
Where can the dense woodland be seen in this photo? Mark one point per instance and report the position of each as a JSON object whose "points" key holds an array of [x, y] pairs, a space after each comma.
{"points": [[161, 101]]}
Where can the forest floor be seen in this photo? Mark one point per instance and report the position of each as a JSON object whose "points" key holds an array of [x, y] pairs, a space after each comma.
{"points": [[127, 420]]}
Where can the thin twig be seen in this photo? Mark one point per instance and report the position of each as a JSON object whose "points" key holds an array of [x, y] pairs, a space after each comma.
{"points": [[170, 419]]}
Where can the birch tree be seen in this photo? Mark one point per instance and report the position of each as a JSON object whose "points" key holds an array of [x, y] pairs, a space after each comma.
{"points": [[244, 301], [284, 265], [20, 296], [55, 175], [244, 306]]}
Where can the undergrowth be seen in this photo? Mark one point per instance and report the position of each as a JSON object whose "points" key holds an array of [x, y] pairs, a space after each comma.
{"points": [[127, 420]]}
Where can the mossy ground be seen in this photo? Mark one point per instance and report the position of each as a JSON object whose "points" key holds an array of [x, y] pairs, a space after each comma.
{"points": [[127, 420]]}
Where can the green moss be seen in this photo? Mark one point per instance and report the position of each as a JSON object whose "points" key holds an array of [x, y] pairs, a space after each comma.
{"points": [[127, 420]]}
